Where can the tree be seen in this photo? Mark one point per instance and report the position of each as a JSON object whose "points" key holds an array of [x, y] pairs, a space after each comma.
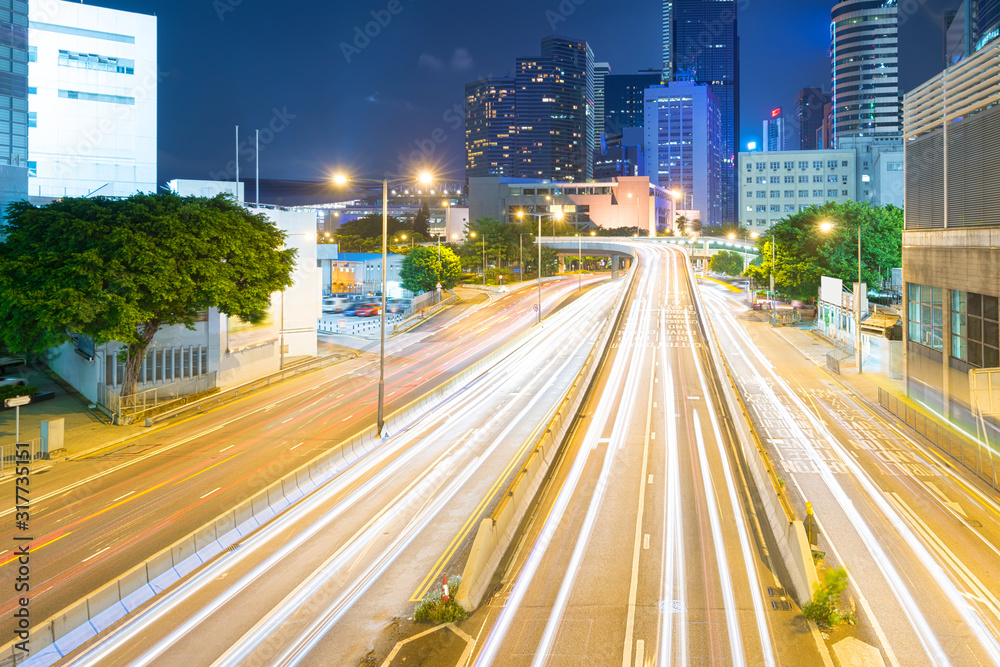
{"points": [[421, 220], [348, 243], [728, 262], [804, 253], [119, 269], [421, 271], [550, 261], [370, 227]]}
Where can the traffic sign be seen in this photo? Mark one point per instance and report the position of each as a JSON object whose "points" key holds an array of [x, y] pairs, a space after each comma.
{"points": [[17, 401]]}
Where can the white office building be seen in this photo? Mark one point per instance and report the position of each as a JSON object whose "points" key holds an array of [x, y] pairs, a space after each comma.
{"points": [[92, 82], [774, 185]]}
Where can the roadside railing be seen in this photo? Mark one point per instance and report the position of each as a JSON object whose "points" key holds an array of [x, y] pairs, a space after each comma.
{"points": [[976, 456], [838, 354]]}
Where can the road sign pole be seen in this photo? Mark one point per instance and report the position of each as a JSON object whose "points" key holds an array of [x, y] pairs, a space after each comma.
{"points": [[16, 403]]}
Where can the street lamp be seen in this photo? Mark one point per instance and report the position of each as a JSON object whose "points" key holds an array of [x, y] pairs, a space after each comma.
{"points": [[425, 178], [579, 263], [555, 217]]}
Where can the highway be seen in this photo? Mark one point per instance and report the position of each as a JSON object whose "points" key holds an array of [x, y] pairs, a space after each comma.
{"points": [[917, 539], [646, 548], [315, 586], [96, 517]]}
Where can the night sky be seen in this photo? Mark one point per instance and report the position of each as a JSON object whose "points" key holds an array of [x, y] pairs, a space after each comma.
{"points": [[280, 66]]}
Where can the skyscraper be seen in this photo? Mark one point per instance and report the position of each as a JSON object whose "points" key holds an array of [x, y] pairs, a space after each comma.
{"points": [[555, 111], [807, 118], [624, 100], [969, 27], [706, 50], [683, 145], [601, 70], [775, 131], [864, 54], [668, 40], [490, 128], [13, 102]]}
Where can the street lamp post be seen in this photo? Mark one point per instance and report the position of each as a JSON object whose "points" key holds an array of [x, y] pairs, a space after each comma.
{"points": [[579, 263], [340, 179], [555, 216]]}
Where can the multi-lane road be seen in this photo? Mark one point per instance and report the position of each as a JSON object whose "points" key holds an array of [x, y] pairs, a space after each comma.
{"points": [[646, 549], [647, 545], [918, 538], [98, 516]]}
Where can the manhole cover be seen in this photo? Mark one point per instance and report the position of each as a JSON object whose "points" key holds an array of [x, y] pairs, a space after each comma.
{"points": [[776, 592], [781, 605], [975, 524]]}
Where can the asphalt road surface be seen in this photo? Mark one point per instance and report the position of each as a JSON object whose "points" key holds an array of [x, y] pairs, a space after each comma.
{"points": [[645, 548]]}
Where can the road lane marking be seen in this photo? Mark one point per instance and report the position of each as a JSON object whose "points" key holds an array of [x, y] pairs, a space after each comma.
{"points": [[650, 480], [297, 446], [225, 448], [640, 653], [950, 503], [210, 492], [35, 549], [645, 541], [122, 497], [96, 554]]}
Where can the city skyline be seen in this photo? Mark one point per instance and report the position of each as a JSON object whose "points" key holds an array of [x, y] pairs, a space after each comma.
{"points": [[406, 99]]}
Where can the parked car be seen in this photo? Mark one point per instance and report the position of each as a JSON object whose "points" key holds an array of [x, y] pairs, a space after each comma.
{"points": [[13, 382], [368, 309]]}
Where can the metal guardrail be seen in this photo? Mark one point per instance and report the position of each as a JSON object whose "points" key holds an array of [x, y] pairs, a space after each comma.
{"points": [[975, 456]]}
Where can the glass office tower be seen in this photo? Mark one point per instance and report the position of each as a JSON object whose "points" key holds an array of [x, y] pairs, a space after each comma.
{"points": [[13, 101], [706, 50]]}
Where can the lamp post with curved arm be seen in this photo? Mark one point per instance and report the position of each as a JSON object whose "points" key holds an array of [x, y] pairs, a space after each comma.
{"points": [[555, 216], [425, 178]]}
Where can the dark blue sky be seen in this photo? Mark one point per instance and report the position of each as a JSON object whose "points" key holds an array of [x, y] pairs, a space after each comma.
{"points": [[264, 64]]}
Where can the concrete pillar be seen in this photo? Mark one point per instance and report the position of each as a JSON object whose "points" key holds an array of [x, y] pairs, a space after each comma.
{"points": [[614, 266], [906, 338]]}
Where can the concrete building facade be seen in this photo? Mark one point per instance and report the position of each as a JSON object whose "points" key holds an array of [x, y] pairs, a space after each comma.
{"points": [[14, 113], [951, 269], [92, 78], [623, 202], [775, 185]]}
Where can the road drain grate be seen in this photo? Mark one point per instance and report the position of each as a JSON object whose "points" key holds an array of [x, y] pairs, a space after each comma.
{"points": [[776, 592], [233, 548], [781, 605]]}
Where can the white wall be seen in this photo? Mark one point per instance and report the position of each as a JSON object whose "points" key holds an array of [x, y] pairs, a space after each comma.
{"points": [[81, 145], [193, 188]]}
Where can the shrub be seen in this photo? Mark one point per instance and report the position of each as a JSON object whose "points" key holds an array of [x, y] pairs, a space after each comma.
{"points": [[11, 392], [824, 607], [432, 610]]}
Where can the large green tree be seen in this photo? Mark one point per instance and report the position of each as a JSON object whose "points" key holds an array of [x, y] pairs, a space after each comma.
{"points": [[421, 220], [421, 270], [804, 253], [728, 262], [119, 269], [370, 227]]}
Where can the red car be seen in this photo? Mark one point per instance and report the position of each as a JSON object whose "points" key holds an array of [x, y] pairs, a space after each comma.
{"points": [[367, 310]]}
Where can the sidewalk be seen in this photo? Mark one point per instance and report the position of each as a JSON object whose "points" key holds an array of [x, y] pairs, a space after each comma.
{"points": [[84, 429]]}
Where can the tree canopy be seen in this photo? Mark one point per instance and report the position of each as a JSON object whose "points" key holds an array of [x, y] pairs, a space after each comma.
{"points": [[119, 269], [421, 270], [804, 253], [370, 226], [728, 262]]}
